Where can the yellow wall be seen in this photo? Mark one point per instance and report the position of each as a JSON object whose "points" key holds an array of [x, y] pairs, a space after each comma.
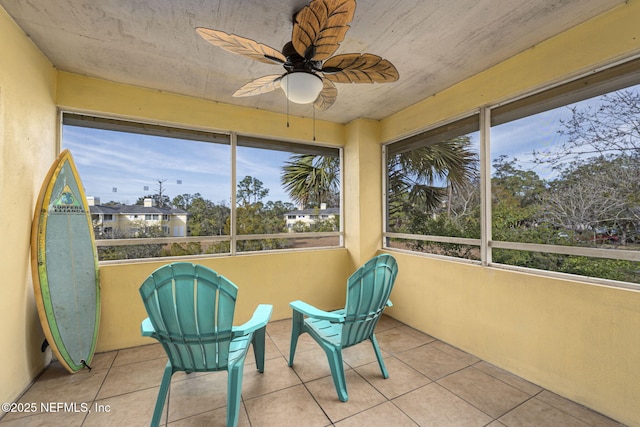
{"points": [[262, 278], [577, 339], [28, 146], [574, 338], [87, 94], [362, 190]]}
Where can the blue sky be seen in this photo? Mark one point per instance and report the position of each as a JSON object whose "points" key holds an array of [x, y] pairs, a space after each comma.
{"points": [[108, 160], [518, 139]]}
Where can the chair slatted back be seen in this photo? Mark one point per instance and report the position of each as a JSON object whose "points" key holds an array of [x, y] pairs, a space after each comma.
{"points": [[368, 291], [191, 308]]}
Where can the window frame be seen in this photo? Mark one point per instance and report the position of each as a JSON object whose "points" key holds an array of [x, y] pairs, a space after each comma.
{"points": [[182, 131], [607, 79], [447, 125]]}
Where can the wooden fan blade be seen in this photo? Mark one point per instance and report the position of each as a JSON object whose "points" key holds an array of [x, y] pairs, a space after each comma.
{"points": [[320, 27], [327, 96], [359, 68], [260, 85], [242, 46]]}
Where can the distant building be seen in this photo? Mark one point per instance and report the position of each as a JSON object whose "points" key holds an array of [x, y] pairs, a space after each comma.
{"points": [[126, 221], [310, 216]]}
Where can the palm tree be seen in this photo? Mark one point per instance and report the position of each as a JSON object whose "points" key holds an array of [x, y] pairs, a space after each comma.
{"points": [[312, 179], [422, 178], [415, 177]]}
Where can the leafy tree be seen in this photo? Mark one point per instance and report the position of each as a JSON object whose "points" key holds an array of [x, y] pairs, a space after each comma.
{"points": [[251, 190], [312, 180], [609, 127], [516, 199], [597, 193], [205, 217], [419, 179], [185, 201], [254, 217]]}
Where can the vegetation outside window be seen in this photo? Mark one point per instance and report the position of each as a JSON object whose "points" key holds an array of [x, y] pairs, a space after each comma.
{"points": [[562, 192], [158, 191], [433, 191], [284, 192], [568, 177]]}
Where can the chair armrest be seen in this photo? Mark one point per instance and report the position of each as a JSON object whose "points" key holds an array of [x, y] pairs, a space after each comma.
{"points": [[389, 303], [147, 328], [260, 318], [316, 313]]}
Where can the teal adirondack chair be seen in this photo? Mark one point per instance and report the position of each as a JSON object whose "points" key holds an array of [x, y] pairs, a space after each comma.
{"points": [[190, 310], [368, 291]]}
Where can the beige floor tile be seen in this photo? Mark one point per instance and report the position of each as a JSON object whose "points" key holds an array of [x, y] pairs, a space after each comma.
{"points": [[215, 418], [305, 343], [140, 354], [362, 396], [402, 378], [58, 419], [131, 410], [71, 389], [455, 352], [55, 371], [311, 365], [281, 328], [100, 361], [361, 354], [103, 360], [292, 407], [507, 377], [132, 377], [277, 375], [397, 340], [432, 362], [576, 410], [483, 391], [197, 395], [384, 415], [416, 333], [127, 381], [433, 405], [535, 412], [387, 322], [271, 351]]}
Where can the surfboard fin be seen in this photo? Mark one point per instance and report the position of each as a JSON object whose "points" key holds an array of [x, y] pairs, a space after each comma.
{"points": [[44, 345], [85, 364]]}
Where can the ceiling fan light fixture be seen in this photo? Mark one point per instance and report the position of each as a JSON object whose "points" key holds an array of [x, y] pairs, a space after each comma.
{"points": [[301, 87]]}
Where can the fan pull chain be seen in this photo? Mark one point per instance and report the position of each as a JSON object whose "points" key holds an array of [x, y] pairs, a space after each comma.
{"points": [[314, 122], [287, 83]]}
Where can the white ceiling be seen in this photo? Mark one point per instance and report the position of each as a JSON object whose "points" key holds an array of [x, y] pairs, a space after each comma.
{"points": [[152, 43]]}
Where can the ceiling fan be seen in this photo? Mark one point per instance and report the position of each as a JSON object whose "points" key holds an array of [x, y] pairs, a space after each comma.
{"points": [[310, 68]]}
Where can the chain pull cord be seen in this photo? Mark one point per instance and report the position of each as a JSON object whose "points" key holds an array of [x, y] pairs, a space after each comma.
{"points": [[287, 83]]}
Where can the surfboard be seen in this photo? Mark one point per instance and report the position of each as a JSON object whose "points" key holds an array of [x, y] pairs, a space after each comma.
{"points": [[64, 264]]}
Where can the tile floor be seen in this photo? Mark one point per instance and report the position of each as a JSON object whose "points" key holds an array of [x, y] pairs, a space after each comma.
{"points": [[430, 384]]}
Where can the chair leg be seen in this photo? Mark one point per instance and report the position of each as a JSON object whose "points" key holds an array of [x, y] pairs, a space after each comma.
{"points": [[259, 348], [376, 348], [234, 391], [162, 394], [297, 328], [337, 371]]}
